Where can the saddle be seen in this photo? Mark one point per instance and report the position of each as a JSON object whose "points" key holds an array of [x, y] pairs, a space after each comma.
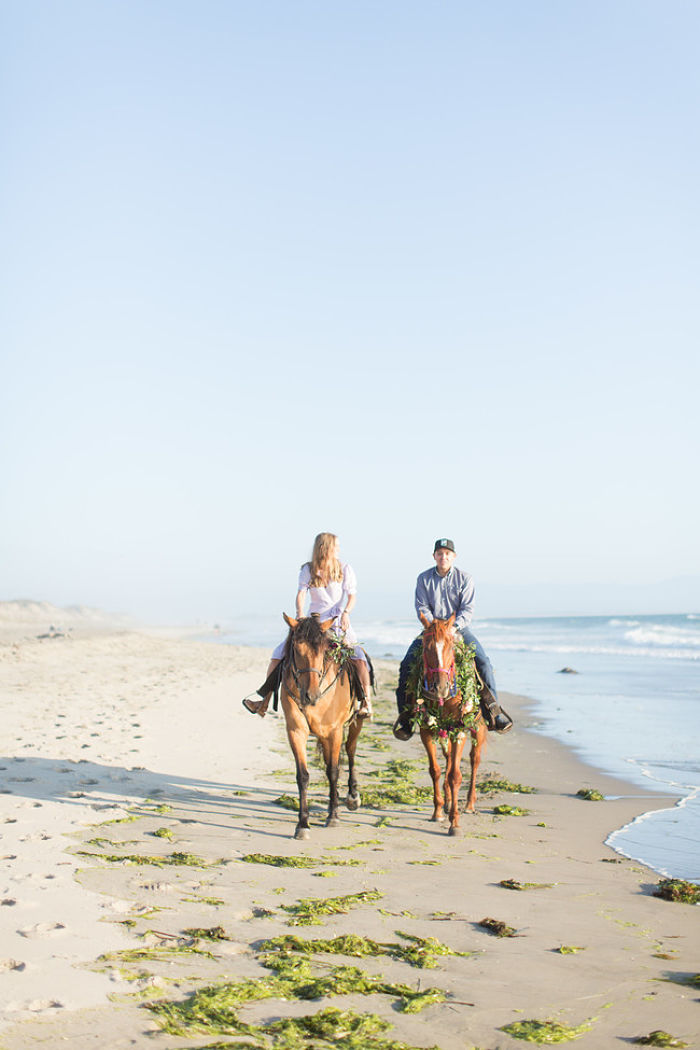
{"points": [[273, 682]]}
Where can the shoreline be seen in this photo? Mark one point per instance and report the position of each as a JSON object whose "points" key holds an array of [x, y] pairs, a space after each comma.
{"points": [[217, 777]]}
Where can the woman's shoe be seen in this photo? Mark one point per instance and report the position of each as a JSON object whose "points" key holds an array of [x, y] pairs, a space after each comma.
{"points": [[256, 707]]}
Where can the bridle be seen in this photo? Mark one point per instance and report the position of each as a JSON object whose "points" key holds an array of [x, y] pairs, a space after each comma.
{"points": [[450, 671], [297, 672]]}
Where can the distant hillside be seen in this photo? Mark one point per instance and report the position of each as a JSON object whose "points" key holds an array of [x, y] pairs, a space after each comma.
{"points": [[44, 614]]}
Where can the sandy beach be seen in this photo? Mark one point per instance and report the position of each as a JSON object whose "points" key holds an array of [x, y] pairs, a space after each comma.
{"points": [[140, 801]]}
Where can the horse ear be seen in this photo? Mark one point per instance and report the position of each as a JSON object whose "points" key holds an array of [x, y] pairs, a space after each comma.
{"points": [[326, 624], [424, 620], [450, 622], [289, 621]]}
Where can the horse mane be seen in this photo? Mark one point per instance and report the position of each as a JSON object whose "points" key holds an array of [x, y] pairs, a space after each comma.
{"points": [[308, 630]]}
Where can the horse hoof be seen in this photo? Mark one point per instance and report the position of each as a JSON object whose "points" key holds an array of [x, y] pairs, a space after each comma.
{"points": [[353, 802], [454, 830], [438, 818], [332, 822], [302, 833]]}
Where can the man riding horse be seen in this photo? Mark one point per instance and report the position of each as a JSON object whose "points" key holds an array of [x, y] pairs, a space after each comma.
{"points": [[440, 592]]}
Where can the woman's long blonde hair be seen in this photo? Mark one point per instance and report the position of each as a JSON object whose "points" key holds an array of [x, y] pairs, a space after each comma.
{"points": [[324, 566]]}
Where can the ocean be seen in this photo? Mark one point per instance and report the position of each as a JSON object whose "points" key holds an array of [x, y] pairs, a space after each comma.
{"points": [[631, 709]]}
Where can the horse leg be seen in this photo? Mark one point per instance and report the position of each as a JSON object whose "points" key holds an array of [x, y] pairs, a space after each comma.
{"points": [[435, 773], [297, 741], [353, 800], [478, 741], [331, 755], [454, 776]]}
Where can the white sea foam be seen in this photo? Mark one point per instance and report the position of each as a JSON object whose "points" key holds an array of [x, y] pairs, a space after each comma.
{"points": [[664, 635]]}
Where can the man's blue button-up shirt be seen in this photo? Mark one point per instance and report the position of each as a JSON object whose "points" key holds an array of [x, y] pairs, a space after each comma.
{"points": [[437, 597]]}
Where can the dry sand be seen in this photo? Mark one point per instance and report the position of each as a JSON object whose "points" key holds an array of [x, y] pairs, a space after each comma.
{"points": [[100, 725]]}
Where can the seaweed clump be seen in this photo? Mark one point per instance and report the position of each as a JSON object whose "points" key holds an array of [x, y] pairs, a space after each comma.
{"points": [[420, 951], [287, 802], [307, 910], [497, 928], [510, 811], [178, 859], [590, 794], [491, 785], [277, 861], [513, 884], [548, 1032], [396, 786], [658, 1038], [678, 890]]}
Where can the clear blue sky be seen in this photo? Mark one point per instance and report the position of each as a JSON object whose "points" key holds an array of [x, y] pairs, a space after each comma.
{"points": [[392, 270]]}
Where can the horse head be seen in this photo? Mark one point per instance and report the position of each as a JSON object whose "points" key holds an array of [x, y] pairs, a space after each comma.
{"points": [[438, 658], [306, 651]]}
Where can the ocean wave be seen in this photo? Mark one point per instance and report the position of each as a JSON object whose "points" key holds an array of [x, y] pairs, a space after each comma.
{"points": [[663, 635], [596, 650]]}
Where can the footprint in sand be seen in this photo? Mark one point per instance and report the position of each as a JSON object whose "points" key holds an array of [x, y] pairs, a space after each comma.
{"points": [[42, 929], [21, 780], [11, 964], [35, 1005], [7, 902], [86, 783], [157, 887]]}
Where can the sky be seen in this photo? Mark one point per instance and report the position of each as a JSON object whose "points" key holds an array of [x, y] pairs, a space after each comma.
{"points": [[392, 270]]}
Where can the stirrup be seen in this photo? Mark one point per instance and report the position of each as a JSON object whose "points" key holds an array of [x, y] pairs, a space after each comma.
{"points": [[254, 706]]}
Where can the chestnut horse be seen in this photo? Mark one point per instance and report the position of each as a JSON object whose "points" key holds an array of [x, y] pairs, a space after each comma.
{"points": [[444, 715], [317, 699]]}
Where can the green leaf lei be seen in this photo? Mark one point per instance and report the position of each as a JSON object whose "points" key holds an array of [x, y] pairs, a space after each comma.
{"points": [[340, 652], [431, 714]]}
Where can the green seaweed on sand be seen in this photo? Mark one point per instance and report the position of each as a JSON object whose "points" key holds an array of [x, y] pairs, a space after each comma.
{"points": [[297, 862], [214, 902], [287, 802], [155, 953], [420, 951], [281, 862], [569, 949], [677, 890], [548, 1032], [207, 933], [307, 910], [510, 811], [352, 1031], [590, 794], [659, 1038], [214, 1011], [189, 860], [513, 884], [159, 808], [396, 785], [162, 833], [121, 820], [491, 785], [497, 928]]}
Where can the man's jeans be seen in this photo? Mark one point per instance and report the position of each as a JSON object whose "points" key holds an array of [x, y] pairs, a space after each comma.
{"points": [[483, 666]]}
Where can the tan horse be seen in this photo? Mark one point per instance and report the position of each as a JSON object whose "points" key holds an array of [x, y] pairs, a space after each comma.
{"points": [[317, 699], [452, 721]]}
